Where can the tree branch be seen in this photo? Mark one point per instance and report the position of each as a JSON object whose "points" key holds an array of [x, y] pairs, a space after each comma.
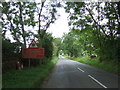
{"points": [[42, 5], [12, 27], [97, 25], [22, 24]]}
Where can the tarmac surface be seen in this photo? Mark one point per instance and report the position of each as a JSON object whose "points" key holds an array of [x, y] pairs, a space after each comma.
{"points": [[72, 74]]}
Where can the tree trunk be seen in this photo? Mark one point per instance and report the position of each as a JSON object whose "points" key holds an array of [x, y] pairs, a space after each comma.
{"points": [[39, 29], [22, 25]]}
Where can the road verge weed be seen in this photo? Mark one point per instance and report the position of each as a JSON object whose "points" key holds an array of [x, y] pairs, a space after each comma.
{"points": [[29, 77], [108, 66]]}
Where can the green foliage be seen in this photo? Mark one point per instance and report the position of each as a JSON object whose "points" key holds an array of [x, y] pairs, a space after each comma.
{"points": [[48, 45], [70, 47], [29, 77], [18, 17], [94, 36], [8, 48], [57, 46], [47, 14], [108, 66], [15, 16], [77, 43]]}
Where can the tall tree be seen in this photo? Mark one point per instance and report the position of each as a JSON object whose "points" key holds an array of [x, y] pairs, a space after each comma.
{"points": [[47, 14], [103, 18], [15, 17]]}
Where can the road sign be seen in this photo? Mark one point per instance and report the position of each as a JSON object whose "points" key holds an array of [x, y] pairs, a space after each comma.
{"points": [[33, 44], [33, 51]]}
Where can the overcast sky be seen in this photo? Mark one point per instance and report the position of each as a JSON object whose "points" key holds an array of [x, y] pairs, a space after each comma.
{"points": [[61, 24]]}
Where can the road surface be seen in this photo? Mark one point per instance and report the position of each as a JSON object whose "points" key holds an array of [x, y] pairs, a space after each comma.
{"points": [[71, 74]]}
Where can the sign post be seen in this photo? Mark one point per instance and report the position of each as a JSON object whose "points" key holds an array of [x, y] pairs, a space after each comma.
{"points": [[33, 51], [29, 62]]}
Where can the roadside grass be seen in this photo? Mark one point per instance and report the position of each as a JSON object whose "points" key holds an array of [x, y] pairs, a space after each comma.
{"points": [[108, 66], [29, 77]]}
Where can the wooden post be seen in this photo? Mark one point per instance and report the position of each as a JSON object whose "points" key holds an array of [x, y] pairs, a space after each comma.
{"points": [[29, 62]]}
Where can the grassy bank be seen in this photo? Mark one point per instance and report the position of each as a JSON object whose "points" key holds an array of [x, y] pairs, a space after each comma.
{"points": [[29, 77], [108, 66]]}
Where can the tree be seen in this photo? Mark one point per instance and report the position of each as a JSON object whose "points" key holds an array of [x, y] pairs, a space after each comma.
{"points": [[57, 46], [9, 49], [48, 45], [70, 44], [47, 14], [21, 18], [92, 15], [15, 17]]}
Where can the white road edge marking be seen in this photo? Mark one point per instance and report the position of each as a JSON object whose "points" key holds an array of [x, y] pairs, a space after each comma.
{"points": [[97, 81], [80, 70]]}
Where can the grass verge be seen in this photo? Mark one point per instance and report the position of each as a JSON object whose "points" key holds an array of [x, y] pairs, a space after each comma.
{"points": [[108, 66], [29, 77]]}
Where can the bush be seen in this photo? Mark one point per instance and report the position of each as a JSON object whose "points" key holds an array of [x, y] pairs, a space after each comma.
{"points": [[8, 48], [48, 45]]}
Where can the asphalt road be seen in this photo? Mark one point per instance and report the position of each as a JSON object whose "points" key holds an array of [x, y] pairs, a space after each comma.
{"points": [[72, 74]]}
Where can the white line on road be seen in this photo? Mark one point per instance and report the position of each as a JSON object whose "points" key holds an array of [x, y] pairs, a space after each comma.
{"points": [[80, 70], [97, 81]]}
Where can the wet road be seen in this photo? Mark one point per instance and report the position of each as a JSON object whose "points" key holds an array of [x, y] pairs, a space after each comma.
{"points": [[72, 74]]}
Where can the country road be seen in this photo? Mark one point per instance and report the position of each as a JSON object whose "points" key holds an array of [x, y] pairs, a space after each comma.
{"points": [[72, 74]]}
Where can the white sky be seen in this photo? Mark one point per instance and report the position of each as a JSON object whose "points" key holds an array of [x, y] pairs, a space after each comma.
{"points": [[61, 24]]}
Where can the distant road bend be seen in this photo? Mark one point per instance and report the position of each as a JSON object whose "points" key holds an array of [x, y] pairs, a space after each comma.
{"points": [[72, 74]]}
